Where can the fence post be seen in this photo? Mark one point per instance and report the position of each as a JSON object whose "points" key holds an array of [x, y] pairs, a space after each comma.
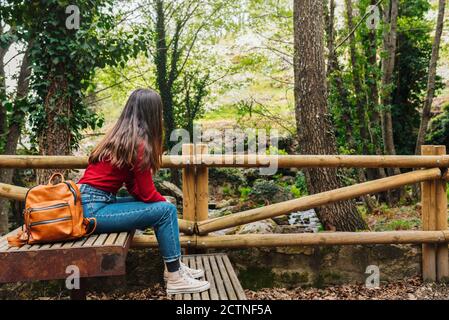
{"points": [[442, 262], [188, 185], [202, 187], [428, 212]]}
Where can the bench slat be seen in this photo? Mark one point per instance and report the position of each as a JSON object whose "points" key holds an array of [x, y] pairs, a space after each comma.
{"points": [[199, 265], [110, 240], [121, 239], [209, 277], [217, 277], [101, 239], [227, 282], [235, 281], [90, 241]]}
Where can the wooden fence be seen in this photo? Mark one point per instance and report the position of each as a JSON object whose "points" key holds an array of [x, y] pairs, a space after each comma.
{"points": [[431, 172]]}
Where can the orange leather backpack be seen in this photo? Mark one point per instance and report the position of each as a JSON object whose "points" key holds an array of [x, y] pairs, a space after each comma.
{"points": [[53, 212]]}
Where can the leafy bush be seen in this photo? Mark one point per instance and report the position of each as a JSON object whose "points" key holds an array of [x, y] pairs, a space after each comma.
{"points": [[264, 191], [233, 176], [244, 193]]}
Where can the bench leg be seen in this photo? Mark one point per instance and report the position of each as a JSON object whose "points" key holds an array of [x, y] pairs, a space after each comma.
{"points": [[79, 294]]}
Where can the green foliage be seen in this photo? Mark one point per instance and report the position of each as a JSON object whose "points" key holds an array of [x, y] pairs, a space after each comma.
{"points": [[399, 224], [244, 193], [300, 183], [414, 49], [233, 176], [264, 191], [70, 58], [438, 133]]}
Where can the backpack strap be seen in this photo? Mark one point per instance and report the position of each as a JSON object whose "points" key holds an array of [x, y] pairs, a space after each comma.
{"points": [[86, 222], [18, 240]]}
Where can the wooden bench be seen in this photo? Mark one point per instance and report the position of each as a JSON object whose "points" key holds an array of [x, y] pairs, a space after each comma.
{"points": [[224, 284], [98, 255]]}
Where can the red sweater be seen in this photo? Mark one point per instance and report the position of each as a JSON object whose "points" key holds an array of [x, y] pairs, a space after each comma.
{"points": [[106, 177]]}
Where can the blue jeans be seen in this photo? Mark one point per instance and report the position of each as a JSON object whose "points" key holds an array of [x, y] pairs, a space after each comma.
{"points": [[116, 214]]}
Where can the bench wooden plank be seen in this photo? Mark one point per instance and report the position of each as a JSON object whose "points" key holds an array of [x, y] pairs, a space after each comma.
{"points": [[235, 281], [4, 246], [121, 239], [110, 240], [79, 243], [213, 293], [68, 244], [101, 239], [57, 245], [199, 264], [217, 277], [224, 275], [90, 241]]}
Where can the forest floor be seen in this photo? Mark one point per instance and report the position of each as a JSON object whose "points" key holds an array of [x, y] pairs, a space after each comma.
{"points": [[407, 289]]}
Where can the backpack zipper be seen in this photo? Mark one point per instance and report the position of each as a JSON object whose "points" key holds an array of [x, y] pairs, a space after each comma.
{"points": [[50, 221], [54, 206], [71, 190]]}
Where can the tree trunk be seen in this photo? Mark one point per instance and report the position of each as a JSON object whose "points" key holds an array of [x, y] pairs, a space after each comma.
{"points": [[357, 82], [56, 138], [315, 130], [389, 47], [388, 63], [425, 116], [14, 131], [333, 72], [3, 115], [371, 79]]}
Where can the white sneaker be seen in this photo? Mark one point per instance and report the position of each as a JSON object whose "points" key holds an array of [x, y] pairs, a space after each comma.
{"points": [[194, 273], [181, 282]]}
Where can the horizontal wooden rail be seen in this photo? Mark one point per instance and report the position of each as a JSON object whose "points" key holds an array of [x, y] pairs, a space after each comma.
{"points": [[280, 161], [317, 200], [300, 239], [18, 193]]}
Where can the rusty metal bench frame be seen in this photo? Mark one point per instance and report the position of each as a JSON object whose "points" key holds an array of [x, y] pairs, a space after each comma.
{"points": [[98, 255]]}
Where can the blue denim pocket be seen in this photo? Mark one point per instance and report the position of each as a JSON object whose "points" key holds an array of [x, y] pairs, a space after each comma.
{"points": [[94, 199]]}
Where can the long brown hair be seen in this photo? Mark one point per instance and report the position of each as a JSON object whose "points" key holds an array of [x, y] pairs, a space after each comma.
{"points": [[140, 123]]}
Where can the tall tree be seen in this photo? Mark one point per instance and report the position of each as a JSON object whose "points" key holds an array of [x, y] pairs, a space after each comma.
{"points": [[388, 61], [312, 116], [176, 27], [425, 115], [357, 81], [62, 71]]}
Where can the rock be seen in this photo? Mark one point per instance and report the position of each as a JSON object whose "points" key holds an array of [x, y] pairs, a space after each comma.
{"points": [[292, 229], [288, 179], [261, 227], [281, 220], [223, 203], [166, 187], [219, 212]]}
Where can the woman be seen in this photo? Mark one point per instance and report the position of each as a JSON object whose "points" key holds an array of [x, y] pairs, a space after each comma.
{"points": [[129, 154]]}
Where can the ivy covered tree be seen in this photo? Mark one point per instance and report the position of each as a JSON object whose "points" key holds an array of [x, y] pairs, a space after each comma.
{"points": [[64, 61]]}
